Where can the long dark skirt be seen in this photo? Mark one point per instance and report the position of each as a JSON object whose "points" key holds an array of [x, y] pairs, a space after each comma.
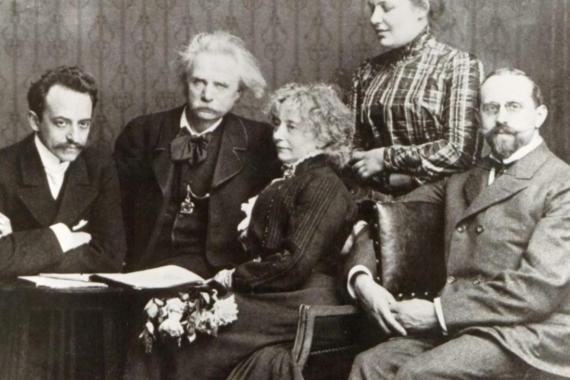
{"points": [[264, 320]]}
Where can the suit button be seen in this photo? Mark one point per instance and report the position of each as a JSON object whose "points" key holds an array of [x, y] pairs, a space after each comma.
{"points": [[479, 229], [450, 280], [460, 229]]}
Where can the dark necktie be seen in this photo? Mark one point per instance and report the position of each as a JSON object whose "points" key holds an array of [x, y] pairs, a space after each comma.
{"points": [[500, 167], [193, 149]]}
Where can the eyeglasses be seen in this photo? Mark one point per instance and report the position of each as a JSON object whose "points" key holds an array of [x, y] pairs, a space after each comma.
{"points": [[494, 108]]}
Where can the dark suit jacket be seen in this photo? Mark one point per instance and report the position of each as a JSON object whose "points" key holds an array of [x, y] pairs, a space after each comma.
{"points": [[91, 192], [246, 163], [508, 256]]}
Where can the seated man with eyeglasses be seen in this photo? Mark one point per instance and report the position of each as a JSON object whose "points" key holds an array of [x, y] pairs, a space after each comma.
{"points": [[504, 311]]}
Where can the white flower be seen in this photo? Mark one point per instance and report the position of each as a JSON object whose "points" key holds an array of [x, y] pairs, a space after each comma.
{"points": [[247, 208], [175, 305], [226, 310], [171, 326], [151, 308], [149, 327], [181, 318]]}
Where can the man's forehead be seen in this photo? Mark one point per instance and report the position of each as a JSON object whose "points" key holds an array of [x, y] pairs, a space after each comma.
{"points": [[222, 64], [507, 87], [60, 97]]}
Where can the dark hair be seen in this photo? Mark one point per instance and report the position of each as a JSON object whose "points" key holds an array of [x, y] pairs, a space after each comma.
{"points": [[71, 77], [536, 92]]}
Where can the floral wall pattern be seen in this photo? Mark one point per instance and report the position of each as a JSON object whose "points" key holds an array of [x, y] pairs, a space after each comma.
{"points": [[129, 45]]}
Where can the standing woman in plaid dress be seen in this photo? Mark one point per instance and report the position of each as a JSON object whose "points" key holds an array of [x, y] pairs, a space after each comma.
{"points": [[415, 104]]}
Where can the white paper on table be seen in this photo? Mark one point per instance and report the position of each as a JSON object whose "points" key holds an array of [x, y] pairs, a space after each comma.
{"points": [[167, 276], [63, 283]]}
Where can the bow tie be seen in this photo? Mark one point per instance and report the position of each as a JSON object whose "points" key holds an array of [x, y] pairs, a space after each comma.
{"points": [[193, 149]]}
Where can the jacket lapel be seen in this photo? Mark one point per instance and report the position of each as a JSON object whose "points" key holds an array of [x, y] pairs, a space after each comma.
{"points": [[34, 190], [161, 163], [475, 183], [77, 193], [513, 181], [234, 142]]}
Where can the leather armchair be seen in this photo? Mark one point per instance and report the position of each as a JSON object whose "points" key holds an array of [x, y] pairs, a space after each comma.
{"points": [[408, 244]]}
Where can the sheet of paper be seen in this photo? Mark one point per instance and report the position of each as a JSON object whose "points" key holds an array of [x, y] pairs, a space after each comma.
{"points": [[167, 276], [58, 283], [68, 276]]}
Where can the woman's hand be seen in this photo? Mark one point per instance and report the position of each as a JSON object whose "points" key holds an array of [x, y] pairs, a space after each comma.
{"points": [[369, 163], [224, 278], [376, 300], [5, 226]]}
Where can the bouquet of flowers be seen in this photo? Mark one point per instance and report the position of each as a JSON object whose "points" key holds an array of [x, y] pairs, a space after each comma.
{"points": [[181, 318]]}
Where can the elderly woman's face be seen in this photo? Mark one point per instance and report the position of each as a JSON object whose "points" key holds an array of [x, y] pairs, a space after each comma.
{"points": [[292, 135], [396, 22]]}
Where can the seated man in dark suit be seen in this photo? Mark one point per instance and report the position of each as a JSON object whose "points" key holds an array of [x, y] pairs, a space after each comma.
{"points": [[59, 202], [504, 311], [185, 172]]}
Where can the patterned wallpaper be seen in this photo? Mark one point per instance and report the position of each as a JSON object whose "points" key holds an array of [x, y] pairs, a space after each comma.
{"points": [[129, 45]]}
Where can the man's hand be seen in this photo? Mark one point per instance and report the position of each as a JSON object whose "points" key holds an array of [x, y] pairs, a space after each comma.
{"points": [[67, 239], [376, 301], [369, 163], [5, 226], [415, 315], [77, 239]]}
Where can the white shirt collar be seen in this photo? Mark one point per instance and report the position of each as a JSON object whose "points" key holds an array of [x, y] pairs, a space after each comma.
{"points": [[185, 124], [289, 169], [49, 160], [53, 167]]}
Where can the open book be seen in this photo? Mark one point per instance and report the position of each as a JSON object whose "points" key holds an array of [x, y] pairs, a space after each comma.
{"points": [[164, 277]]}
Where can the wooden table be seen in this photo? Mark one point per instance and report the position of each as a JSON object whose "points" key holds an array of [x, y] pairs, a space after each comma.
{"points": [[63, 334]]}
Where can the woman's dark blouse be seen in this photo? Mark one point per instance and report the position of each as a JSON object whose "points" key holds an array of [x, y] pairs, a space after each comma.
{"points": [[298, 227]]}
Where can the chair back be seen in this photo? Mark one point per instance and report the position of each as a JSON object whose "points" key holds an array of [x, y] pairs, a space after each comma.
{"points": [[409, 246]]}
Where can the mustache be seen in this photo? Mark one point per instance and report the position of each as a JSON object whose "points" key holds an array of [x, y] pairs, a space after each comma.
{"points": [[502, 129], [77, 146]]}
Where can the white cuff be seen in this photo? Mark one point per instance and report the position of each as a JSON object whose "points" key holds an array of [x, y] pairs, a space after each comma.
{"points": [[356, 229], [225, 278], [439, 315], [357, 269], [63, 235]]}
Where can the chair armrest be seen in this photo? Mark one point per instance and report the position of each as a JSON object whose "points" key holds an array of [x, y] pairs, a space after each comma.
{"points": [[308, 317]]}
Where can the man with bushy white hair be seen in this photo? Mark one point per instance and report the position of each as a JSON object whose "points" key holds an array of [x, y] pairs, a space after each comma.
{"points": [[185, 172]]}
